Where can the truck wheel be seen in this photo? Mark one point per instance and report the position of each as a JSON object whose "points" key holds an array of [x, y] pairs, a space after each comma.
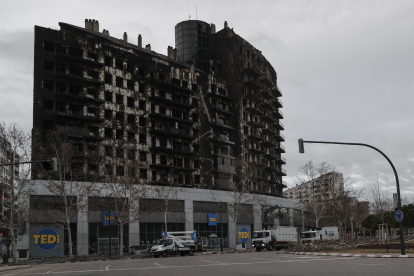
{"points": [[258, 249], [182, 254], [164, 254], [191, 253]]}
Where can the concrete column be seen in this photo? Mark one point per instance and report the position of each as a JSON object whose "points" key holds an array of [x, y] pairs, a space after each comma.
{"points": [[291, 216], [232, 233], [133, 234], [189, 218], [82, 246], [257, 211], [303, 220]]}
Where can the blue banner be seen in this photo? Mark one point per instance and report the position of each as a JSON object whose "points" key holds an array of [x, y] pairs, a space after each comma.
{"points": [[212, 219], [106, 218]]}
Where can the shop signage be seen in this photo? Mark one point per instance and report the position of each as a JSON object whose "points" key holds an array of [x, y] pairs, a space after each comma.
{"points": [[212, 219], [106, 218], [46, 239], [244, 234]]}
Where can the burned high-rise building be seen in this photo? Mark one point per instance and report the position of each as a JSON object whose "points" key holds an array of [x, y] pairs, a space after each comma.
{"points": [[212, 99]]}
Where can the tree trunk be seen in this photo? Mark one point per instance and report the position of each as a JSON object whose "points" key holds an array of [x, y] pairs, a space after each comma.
{"points": [[235, 235], [165, 220], [121, 241], [316, 223], [69, 237], [14, 245]]}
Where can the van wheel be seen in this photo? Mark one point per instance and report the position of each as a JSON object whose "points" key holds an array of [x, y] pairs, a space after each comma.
{"points": [[258, 249], [156, 256], [164, 254], [191, 253]]}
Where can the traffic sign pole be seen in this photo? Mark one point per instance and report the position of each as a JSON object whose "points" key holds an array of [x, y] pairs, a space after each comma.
{"points": [[389, 161]]}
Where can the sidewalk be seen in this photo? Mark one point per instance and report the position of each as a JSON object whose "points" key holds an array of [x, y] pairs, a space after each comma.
{"points": [[4, 268], [390, 255]]}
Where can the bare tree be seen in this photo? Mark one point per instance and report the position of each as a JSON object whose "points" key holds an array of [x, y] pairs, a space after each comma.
{"points": [[15, 146], [381, 202], [127, 191], [167, 191], [316, 196], [72, 183], [237, 181]]}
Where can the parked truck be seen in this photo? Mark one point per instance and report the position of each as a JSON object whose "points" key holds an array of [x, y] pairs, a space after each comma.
{"points": [[325, 233], [274, 239], [175, 243]]}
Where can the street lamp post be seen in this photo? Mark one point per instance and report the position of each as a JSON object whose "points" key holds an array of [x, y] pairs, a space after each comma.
{"points": [[302, 150], [352, 227]]}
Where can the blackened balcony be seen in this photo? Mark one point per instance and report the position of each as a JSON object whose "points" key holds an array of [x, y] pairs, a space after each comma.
{"points": [[179, 150], [268, 95], [269, 131], [184, 105], [79, 97], [271, 168], [223, 139], [268, 117], [255, 137], [219, 107], [277, 92], [175, 87], [164, 166], [254, 124], [278, 103], [253, 97], [225, 168], [159, 83], [270, 144], [219, 95], [256, 150], [79, 132], [79, 115], [266, 80], [281, 160], [77, 59], [280, 149], [174, 132], [221, 123], [254, 109], [281, 172], [170, 118], [278, 113], [279, 125], [269, 156], [280, 137], [268, 106], [78, 78], [253, 71], [252, 85]]}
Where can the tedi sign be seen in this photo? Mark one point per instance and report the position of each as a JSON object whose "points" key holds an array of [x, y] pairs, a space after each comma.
{"points": [[46, 239]]}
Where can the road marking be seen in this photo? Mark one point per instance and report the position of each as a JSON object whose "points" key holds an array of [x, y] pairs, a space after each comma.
{"points": [[188, 266], [158, 264], [107, 267], [53, 270], [212, 262]]}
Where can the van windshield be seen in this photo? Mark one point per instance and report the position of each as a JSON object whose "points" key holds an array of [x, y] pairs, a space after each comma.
{"points": [[307, 235], [258, 235], [161, 242]]}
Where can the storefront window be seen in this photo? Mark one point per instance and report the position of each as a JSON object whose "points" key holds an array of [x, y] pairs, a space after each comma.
{"points": [[98, 238], [150, 233], [211, 235]]}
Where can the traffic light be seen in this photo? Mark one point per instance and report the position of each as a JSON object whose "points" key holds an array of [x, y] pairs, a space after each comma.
{"points": [[54, 164], [301, 147]]}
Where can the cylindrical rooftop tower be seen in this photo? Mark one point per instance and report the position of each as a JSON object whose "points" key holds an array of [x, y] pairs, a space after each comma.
{"points": [[192, 39]]}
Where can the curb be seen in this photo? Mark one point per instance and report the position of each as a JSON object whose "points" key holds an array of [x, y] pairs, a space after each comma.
{"points": [[352, 255], [13, 267]]}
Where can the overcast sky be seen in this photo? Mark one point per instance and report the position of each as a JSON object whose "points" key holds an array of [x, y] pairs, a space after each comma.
{"points": [[345, 68]]}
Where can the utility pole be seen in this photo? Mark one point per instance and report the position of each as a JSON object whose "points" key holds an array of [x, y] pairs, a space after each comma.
{"points": [[221, 226]]}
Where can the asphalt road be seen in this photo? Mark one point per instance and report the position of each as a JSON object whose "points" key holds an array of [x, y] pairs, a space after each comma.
{"points": [[255, 263]]}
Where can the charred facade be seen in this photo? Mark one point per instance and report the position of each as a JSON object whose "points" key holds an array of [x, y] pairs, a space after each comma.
{"points": [[187, 115]]}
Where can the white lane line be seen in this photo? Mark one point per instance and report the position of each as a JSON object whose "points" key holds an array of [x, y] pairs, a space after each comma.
{"points": [[107, 267], [189, 266], [158, 264], [52, 270], [212, 262]]}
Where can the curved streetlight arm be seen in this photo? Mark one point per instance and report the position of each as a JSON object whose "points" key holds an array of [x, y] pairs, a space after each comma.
{"points": [[395, 173]]}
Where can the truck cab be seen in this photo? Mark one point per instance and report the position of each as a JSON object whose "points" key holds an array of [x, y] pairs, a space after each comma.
{"points": [[262, 239]]}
